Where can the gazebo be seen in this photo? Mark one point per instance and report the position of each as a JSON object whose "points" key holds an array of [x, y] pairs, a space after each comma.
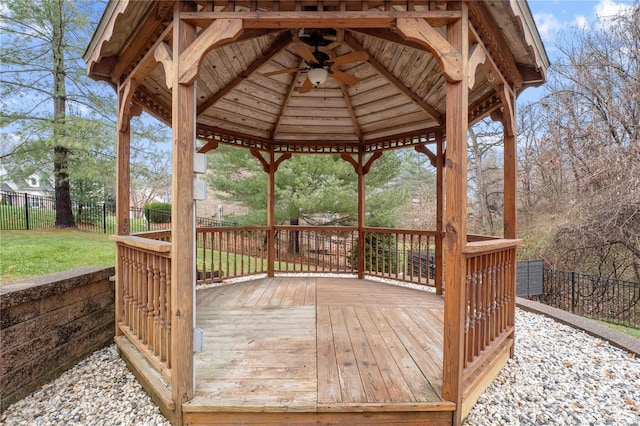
{"points": [[338, 77]]}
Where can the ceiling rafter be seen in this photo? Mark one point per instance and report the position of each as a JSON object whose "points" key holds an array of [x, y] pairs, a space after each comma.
{"points": [[352, 113], [355, 45], [290, 91], [278, 45], [347, 99]]}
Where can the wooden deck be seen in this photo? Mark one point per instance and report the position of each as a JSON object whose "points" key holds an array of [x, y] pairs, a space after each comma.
{"points": [[308, 350]]}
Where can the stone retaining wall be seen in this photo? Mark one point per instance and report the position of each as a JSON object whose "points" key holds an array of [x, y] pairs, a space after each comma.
{"points": [[49, 323]]}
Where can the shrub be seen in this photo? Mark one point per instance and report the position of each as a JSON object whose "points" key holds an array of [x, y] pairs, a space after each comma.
{"points": [[379, 251], [158, 212]]}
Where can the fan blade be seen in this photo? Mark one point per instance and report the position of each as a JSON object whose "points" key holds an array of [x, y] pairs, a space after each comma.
{"points": [[306, 86], [350, 57], [287, 71], [304, 53], [347, 79]]}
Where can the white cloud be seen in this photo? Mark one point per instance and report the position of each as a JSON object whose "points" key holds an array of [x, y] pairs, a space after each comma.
{"points": [[582, 22], [548, 25], [606, 8]]}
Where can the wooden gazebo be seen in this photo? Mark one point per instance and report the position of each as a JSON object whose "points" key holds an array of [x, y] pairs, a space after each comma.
{"points": [[398, 74]]}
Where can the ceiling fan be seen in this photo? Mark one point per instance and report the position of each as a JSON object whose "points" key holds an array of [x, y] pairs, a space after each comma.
{"points": [[320, 64]]}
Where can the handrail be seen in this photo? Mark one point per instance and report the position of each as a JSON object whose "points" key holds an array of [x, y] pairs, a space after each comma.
{"points": [[162, 235], [156, 246], [489, 293], [489, 246], [143, 297]]}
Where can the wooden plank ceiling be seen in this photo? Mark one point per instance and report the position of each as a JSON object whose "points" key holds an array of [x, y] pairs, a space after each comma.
{"points": [[398, 97], [401, 90]]}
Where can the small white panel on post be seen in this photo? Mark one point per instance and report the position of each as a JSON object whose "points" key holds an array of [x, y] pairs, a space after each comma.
{"points": [[200, 163], [199, 189]]}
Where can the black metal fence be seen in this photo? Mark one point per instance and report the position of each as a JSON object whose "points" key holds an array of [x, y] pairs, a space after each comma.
{"points": [[610, 300], [22, 211]]}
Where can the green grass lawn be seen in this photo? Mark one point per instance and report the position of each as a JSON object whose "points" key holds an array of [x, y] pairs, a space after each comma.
{"points": [[630, 331], [25, 254]]}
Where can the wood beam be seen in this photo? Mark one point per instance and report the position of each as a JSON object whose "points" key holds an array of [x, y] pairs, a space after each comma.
{"points": [[510, 167], [390, 36], [209, 146], [455, 220], [347, 99], [327, 19], [182, 222], [348, 158], [440, 161], [355, 45], [367, 166], [271, 211], [362, 215], [419, 31], [424, 150], [221, 31], [123, 197], [124, 106], [279, 44], [154, 20], [270, 166], [145, 66], [477, 56], [285, 103], [279, 160], [494, 42], [162, 54], [264, 163]]}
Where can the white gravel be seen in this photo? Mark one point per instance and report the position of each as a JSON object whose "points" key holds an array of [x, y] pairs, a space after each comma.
{"points": [[559, 376], [99, 390]]}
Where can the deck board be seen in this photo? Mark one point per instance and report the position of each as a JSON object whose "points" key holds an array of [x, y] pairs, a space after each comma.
{"points": [[318, 345]]}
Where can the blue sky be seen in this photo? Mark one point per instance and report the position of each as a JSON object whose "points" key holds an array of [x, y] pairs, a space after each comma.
{"points": [[556, 16]]}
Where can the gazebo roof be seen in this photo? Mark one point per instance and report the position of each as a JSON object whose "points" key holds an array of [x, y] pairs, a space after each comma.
{"points": [[399, 100]]}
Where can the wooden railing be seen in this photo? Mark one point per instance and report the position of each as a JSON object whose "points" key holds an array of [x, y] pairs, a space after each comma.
{"points": [[490, 300], [402, 254], [405, 255], [143, 304], [315, 249], [229, 252]]}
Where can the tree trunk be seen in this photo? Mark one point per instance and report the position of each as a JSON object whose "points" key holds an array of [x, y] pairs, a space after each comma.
{"points": [[64, 212]]}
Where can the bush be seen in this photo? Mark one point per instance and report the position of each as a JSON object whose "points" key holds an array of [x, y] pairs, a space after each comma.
{"points": [[158, 212], [379, 253]]}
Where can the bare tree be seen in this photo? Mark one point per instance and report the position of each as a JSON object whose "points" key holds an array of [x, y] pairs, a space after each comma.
{"points": [[485, 176], [580, 146]]}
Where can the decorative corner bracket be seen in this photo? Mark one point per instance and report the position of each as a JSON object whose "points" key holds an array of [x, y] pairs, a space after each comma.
{"points": [[419, 31], [220, 32]]}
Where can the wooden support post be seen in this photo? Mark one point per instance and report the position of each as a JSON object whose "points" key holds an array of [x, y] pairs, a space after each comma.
{"points": [[510, 229], [362, 168], [182, 221], [439, 273], [270, 167], [271, 213], [510, 174], [362, 217], [456, 220], [123, 200]]}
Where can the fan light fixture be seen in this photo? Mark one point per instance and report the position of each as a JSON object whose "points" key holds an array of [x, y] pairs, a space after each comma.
{"points": [[317, 76]]}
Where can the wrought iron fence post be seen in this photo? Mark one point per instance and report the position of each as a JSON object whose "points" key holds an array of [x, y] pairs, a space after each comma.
{"points": [[148, 217], [26, 210], [573, 292], [104, 217]]}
